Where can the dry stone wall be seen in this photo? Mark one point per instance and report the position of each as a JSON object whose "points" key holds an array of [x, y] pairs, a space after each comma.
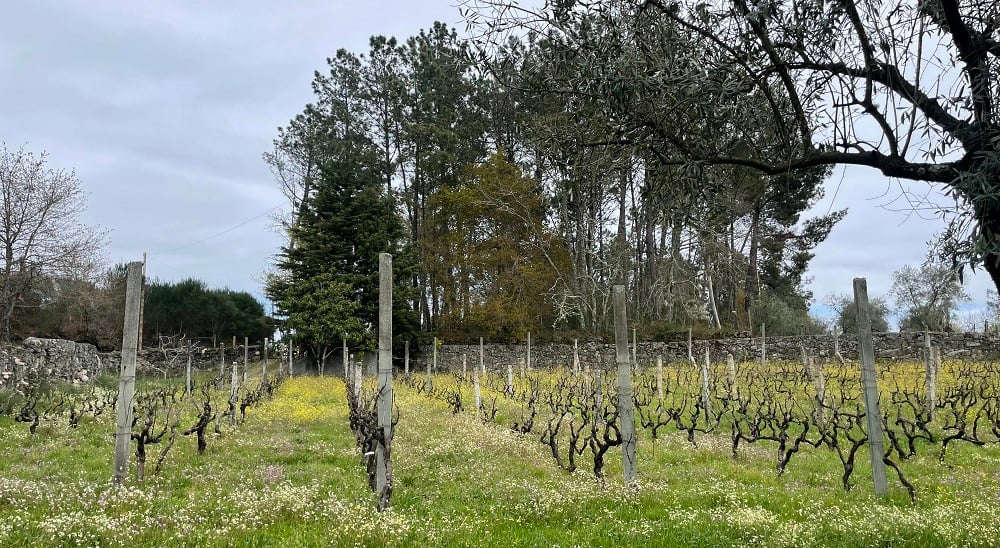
{"points": [[888, 346], [37, 359]]}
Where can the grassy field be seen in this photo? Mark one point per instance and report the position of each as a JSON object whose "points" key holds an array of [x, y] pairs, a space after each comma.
{"points": [[290, 475]]}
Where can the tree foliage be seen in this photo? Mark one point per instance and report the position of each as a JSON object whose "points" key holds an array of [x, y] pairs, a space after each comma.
{"points": [[492, 254], [326, 282], [907, 88], [191, 309], [41, 237], [847, 313], [79, 309], [534, 237], [928, 297]]}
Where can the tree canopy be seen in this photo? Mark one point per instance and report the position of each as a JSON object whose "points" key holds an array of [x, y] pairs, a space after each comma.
{"points": [[41, 235], [189, 308], [907, 88]]}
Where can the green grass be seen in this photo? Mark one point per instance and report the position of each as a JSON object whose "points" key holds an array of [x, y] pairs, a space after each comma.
{"points": [[290, 476]]}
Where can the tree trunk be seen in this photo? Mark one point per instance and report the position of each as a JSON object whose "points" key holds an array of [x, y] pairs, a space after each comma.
{"points": [[992, 266]]}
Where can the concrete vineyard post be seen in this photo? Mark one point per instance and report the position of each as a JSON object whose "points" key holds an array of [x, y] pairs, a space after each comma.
{"points": [[626, 411], [659, 377], [263, 369], [930, 375], [126, 382], [475, 387], [873, 416], [819, 378], [599, 394], [805, 361], [383, 451], [932, 371], [246, 357], [406, 358], [763, 344], [510, 379], [482, 357], [465, 369], [234, 389], [345, 356], [576, 357], [635, 347], [836, 345], [706, 394], [433, 363], [731, 375], [187, 382], [690, 347], [528, 355], [290, 360], [358, 372], [222, 359]]}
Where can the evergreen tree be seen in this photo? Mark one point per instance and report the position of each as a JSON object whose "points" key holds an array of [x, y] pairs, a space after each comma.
{"points": [[327, 280]]}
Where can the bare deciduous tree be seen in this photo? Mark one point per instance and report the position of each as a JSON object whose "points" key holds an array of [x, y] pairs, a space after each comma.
{"points": [[40, 229]]}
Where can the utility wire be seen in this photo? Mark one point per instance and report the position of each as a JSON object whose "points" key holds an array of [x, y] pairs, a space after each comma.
{"points": [[226, 231]]}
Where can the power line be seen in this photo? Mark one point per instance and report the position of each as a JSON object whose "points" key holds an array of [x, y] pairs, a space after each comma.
{"points": [[226, 231]]}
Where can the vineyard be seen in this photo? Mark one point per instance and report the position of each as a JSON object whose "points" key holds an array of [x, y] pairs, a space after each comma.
{"points": [[728, 454]]}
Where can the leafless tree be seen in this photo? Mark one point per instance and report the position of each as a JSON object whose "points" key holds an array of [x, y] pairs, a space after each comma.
{"points": [[40, 229]]}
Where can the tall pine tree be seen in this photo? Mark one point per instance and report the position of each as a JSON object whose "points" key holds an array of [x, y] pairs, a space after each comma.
{"points": [[326, 284]]}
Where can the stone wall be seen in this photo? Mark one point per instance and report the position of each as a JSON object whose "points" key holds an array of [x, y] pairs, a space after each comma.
{"points": [[888, 346], [38, 359]]}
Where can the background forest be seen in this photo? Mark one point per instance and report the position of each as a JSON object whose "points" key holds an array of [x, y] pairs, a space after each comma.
{"points": [[503, 224]]}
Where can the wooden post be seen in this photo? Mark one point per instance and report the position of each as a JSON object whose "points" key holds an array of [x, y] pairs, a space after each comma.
{"points": [[626, 411], [869, 382], [383, 450], [126, 382], [246, 357], [187, 383]]}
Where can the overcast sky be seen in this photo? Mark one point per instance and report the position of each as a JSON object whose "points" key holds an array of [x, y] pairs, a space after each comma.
{"points": [[164, 109]]}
